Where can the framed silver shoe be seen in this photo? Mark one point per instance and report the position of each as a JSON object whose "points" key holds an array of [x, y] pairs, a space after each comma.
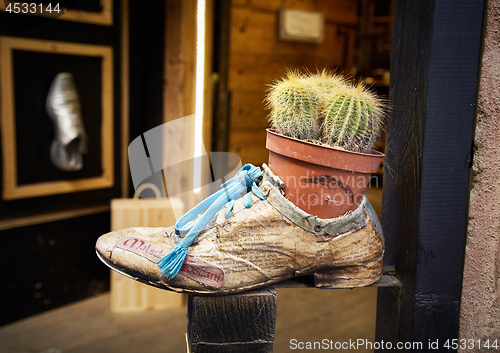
{"points": [[64, 108]]}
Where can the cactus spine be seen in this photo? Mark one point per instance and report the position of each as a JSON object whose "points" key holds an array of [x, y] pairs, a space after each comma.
{"points": [[352, 118], [324, 108], [326, 82], [294, 107]]}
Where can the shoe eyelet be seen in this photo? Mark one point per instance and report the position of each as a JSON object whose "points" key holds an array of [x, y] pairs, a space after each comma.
{"points": [[317, 228]]}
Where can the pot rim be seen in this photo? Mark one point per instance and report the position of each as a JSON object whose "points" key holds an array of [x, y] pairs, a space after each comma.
{"points": [[327, 156]]}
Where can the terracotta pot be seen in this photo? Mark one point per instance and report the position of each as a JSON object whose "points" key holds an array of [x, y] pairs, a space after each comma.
{"points": [[324, 181]]}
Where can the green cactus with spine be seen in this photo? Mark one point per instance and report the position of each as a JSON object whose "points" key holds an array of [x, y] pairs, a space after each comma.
{"points": [[325, 81], [324, 108], [353, 118], [294, 107]]}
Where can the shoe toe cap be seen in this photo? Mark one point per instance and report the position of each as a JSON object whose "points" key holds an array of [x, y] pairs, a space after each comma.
{"points": [[106, 243]]}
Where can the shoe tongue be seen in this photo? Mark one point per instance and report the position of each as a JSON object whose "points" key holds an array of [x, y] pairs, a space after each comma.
{"points": [[271, 177], [202, 214]]}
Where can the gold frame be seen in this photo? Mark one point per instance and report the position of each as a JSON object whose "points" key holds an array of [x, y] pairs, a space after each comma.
{"points": [[105, 17], [11, 190]]}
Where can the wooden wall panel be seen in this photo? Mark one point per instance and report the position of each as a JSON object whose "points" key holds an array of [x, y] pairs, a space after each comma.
{"points": [[250, 145], [248, 110], [257, 58], [340, 11], [254, 72], [255, 31]]}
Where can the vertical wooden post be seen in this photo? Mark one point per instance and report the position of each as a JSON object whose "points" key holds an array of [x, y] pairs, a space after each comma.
{"points": [[434, 68], [232, 323]]}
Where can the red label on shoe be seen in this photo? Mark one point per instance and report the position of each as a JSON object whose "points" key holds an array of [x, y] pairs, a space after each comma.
{"points": [[193, 267], [150, 251], [202, 272]]}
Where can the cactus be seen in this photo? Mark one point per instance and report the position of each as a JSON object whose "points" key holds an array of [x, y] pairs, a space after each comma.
{"points": [[352, 118], [324, 108], [326, 81], [294, 107]]}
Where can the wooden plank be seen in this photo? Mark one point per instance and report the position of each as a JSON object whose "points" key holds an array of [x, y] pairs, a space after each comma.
{"points": [[179, 91], [388, 314], [220, 67], [239, 322], [256, 58], [251, 32], [249, 145], [51, 217], [125, 96], [261, 347], [350, 47], [94, 328], [338, 11], [248, 111], [128, 295], [306, 315], [180, 59], [254, 72], [426, 166]]}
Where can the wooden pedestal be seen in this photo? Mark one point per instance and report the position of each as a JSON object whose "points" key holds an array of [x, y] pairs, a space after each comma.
{"points": [[232, 323]]}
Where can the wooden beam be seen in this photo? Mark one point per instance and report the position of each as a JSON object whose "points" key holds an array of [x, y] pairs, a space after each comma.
{"points": [[179, 93], [434, 67], [51, 217], [125, 96], [232, 323], [220, 127]]}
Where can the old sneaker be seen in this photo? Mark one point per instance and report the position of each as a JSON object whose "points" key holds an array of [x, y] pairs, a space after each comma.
{"points": [[249, 242]]}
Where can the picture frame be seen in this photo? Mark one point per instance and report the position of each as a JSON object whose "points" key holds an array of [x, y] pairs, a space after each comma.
{"points": [[103, 17], [102, 59]]}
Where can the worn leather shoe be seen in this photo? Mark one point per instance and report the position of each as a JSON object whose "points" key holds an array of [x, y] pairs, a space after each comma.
{"points": [[257, 240]]}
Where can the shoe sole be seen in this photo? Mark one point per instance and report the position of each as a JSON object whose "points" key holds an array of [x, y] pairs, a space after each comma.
{"points": [[335, 278], [350, 277]]}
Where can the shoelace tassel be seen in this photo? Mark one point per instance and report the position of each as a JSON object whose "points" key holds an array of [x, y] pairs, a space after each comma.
{"points": [[243, 181]]}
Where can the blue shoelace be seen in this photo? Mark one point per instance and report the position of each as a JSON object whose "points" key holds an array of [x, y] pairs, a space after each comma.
{"points": [[243, 181]]}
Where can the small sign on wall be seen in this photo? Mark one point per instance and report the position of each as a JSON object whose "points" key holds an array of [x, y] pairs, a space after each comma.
{"points": [[301, 26]]}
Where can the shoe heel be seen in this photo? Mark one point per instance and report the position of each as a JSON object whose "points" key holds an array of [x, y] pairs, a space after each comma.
{"points": [[351, 276]]}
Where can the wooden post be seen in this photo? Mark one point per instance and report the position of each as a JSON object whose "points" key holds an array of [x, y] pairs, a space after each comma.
{"points": [[232, 323], [434, 69]]}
